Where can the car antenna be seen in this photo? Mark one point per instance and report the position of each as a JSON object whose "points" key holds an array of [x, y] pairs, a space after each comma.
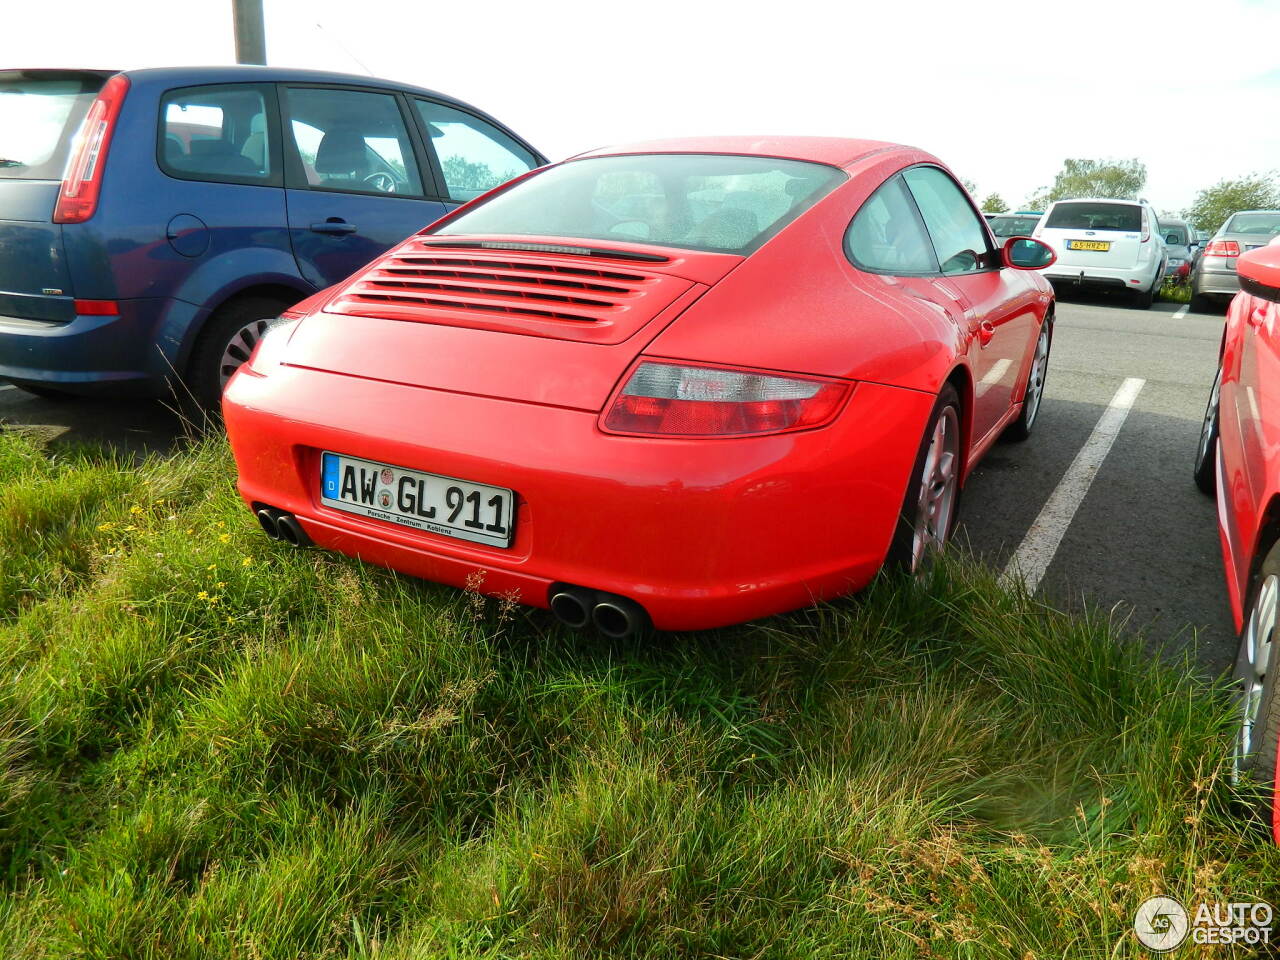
{"points": [[342, 46]]}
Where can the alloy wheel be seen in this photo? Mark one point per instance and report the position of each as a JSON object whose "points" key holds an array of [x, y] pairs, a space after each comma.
{"points": [[1251, 671], [1035, 382], [239, 348], [939, 482]]}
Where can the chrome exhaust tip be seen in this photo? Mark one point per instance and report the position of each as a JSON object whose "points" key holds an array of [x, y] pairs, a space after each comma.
{"points": [[570, 609], [619, 618], [291, 531], [267, 520]]}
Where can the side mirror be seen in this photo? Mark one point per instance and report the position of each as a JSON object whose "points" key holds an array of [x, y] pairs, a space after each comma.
{"points": [[1259, 272], [1023, 253]]}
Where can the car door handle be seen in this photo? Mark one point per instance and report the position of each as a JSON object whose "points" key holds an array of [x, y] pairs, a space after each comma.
{"points": [[333, 226], [986, 330], [1257, 317]]}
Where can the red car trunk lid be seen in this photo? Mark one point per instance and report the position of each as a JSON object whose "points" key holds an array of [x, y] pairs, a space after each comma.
{"points": [[546, 325]]}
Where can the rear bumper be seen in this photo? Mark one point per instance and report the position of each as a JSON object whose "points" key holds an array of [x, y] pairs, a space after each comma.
{"points": [[1219, 282], [701, 533], [1091, 282], [88, 354], [1103, 278]]}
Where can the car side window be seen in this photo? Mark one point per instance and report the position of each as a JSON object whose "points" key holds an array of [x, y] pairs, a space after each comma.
{"points": [[959, 238], [887, 235], [474, 156], [216, 133], [355, 141]]}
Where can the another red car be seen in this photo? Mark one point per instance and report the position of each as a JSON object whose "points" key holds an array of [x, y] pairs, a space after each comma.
{"points": [[1238, 460], [690, 382]]}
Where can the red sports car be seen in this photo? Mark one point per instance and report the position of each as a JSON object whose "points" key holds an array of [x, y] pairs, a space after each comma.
{"points": [[688, 383], [1238, 459]]}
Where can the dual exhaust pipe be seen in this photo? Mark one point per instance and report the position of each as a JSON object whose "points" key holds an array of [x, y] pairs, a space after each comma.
{"points": [[613, 616], [279, 525]]}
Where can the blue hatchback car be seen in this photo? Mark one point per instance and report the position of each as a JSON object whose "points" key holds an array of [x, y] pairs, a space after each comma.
{"points": [[153, 222]]}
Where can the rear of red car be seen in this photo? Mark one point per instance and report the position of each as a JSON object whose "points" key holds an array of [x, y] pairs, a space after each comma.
{"points": [[493, 400]]}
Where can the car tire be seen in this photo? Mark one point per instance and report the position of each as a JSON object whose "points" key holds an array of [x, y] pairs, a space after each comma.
{"points": [[1200, 303], [932, 501], [228, 336], [1257, 729], [1143, 299], [1206, 471], [1033, 397]]}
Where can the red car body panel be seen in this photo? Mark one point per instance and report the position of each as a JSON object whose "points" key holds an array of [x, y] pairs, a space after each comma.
{"points": [[701, 532], [1248, 469], [1249, 440]]}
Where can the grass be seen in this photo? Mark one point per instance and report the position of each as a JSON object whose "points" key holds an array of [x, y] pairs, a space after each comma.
{"points": [[1175, 293], [215, 746]]}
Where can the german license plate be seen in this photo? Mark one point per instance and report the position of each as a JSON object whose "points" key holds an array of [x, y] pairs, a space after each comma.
{"points": [[1103, 245], [425, 501]]}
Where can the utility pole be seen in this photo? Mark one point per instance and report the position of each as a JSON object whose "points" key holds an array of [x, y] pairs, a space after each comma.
{"points": [[251, 34]]}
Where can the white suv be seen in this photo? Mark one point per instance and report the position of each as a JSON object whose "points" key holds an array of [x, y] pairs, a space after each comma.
{"points": [[1105, 244]]}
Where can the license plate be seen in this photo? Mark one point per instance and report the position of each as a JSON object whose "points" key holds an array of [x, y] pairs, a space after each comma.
{"points": [[1103, 245], [425, 501]]}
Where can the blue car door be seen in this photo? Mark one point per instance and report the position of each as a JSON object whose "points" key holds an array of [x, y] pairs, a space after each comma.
{"points": [[356, 180]]}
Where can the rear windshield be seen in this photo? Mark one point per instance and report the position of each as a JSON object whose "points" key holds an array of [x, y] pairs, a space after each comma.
{"points": [[1096, 216], [1013, 226], [1173, 233], [1255, 224], [39, 116], [700, 201]]}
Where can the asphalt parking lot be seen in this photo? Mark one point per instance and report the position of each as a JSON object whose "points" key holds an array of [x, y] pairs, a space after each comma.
{"points": [[1142, 541]]}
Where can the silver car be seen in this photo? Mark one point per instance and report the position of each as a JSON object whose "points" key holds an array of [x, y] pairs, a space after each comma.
{"points": [[1181, 241], [1215, 274]]}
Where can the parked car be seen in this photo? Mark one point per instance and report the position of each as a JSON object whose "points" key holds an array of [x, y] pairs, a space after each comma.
{"points": [[1014, 224], [1105, 245], [735, 400], [1238, 461], [1180, 244], [197, 203], [1214, 279]]}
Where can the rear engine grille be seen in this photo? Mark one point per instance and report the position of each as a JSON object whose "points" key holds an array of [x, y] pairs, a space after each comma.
{"points": [[536, 287]]}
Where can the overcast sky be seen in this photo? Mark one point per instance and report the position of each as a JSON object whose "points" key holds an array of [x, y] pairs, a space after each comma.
{"points": [[1001, 91]]}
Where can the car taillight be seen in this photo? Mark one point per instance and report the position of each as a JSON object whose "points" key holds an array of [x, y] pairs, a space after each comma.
{"points": [[668, 399], [1222, 248], [78, 197]]}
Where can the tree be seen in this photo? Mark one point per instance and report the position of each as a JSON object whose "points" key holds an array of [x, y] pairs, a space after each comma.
{"points": [[969, 185], [1257, 191], [994, 204], [1113, 179]]}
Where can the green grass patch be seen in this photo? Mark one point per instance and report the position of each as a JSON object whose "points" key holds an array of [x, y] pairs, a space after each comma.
{"points": [[216, 746], [1175, 292]]}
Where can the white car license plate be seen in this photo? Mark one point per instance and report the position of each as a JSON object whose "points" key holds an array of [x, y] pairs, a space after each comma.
{"points": [[425, 501]]}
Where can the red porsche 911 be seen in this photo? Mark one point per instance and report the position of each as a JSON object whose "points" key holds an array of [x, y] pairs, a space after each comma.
{"points": [[685, 383], [1238, 460]]}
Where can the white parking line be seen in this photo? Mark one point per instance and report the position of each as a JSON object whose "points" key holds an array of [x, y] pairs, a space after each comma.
{"points": [[1181, 311], [1038, 547]]}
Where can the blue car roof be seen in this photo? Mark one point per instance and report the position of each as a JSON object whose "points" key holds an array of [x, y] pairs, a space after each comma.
{"points": [[167, 77]]}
